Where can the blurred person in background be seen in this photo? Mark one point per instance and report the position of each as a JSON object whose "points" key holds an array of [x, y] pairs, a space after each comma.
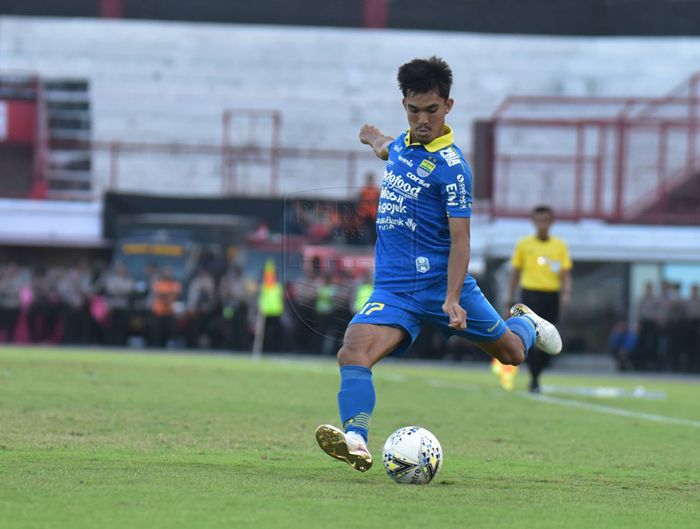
{"points": [[73, 294], [362, 292], [11, 283], [676, 330], [43, 316], [623, 344], [324, 315], [693, 311], [119, 290], [233, 295], [144, 287], [666, 302], [166, 290], [541, 266], [649, 325], [304, 291], [97, 308], [367, 204], [271, 310], [87, 279], [201, 306], [342, 301]]}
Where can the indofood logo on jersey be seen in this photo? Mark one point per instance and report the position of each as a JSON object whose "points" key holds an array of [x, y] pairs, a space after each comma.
{"points": [[425, 168], [394, 181]]}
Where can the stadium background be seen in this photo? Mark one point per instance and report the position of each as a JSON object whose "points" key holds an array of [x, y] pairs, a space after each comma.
{"points": [[219, 139], [234, 139]]}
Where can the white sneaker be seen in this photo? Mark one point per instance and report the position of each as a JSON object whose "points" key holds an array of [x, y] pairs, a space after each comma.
{"points": [[349, 447], [548, 339]]}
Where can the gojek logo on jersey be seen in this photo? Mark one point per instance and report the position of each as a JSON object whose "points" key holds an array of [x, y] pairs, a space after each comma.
{"points": [[391, 203], [394, 181]]}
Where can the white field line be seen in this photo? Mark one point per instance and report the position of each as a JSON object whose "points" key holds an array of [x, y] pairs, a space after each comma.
{"points": [[612, 411], [434, 382]]}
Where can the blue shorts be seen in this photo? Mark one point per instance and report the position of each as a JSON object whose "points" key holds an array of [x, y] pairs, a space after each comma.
{"points": [[410, 311]]}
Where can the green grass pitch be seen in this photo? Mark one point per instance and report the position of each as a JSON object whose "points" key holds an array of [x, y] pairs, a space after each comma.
{"points": [[136, 440]]}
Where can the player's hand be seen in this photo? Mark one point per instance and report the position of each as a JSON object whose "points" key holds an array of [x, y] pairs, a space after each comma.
{"points": [[369, 134], [458, 316], [372, 136]]}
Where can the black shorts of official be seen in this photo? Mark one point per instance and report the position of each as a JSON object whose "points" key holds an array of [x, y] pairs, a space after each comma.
{"points": [[545, 304]]}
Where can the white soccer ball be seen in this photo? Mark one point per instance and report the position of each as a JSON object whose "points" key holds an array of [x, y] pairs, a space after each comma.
{"points": [[412, 455]]}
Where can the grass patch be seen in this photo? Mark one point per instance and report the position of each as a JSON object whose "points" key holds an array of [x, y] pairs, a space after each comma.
{"points": [[115, 440]]}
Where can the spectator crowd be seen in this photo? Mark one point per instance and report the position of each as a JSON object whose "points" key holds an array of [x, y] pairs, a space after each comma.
{"points": [[83, 304], [667, 334], [92, 304]]}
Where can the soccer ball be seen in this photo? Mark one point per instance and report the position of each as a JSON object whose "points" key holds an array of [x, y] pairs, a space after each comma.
{"points": [[412, 455]]}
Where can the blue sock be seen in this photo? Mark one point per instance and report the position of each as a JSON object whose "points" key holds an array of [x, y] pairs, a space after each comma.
{"points": [[356, 399], [524, 327]]}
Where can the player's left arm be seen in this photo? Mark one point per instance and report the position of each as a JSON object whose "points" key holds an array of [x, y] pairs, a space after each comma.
{"points": [[457, 266], [456, 190]]}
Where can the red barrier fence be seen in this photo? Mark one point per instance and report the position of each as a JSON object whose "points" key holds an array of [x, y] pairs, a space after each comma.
{"points": [[611, 158]]}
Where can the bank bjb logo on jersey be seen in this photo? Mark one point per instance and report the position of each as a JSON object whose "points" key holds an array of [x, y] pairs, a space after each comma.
{"points": [[422, 264], [425, 168]]}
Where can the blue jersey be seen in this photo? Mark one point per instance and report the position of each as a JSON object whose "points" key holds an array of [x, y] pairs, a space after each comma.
{"points": [[423, 186]]}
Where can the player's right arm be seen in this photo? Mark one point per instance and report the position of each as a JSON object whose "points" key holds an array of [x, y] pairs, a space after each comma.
{"points": [[372, 136]]}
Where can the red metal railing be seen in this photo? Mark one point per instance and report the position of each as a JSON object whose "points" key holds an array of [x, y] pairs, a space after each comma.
{"points": [[612, 158], [216, 170]]}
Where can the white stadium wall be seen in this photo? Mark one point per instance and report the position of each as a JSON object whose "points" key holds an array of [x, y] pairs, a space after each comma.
{"points": [[170, 82]]}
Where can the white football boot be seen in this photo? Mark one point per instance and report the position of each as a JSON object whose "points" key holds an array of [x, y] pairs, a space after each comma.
{"points": [[547, 337], [349, 447]]}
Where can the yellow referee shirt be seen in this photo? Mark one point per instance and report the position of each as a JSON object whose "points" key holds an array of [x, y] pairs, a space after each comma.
{"points": [[541, 262]]}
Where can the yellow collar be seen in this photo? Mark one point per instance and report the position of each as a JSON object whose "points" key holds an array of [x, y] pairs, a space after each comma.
{"points": [[441, 142]]}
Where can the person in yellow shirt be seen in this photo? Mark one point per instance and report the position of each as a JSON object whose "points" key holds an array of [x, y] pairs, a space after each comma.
{"points": [[541, 266]]}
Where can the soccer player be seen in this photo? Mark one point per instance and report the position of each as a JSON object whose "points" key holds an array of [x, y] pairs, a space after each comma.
{"points": [[421, 261], [542, 267]]}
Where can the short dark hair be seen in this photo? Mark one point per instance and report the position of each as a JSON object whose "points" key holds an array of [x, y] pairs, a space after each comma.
{"points": [[421, 76], [543, 209]]}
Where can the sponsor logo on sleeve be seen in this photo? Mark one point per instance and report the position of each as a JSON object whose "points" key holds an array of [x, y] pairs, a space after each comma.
{"points": [[457, 194], [450, 156], [451, 190]]}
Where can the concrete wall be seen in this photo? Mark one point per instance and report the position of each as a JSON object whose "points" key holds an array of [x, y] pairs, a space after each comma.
{"points": [[170, 82]]}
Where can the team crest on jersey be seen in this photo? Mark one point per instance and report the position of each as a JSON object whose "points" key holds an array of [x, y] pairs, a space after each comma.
{"points": [[425, 168], [422, 264]]}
